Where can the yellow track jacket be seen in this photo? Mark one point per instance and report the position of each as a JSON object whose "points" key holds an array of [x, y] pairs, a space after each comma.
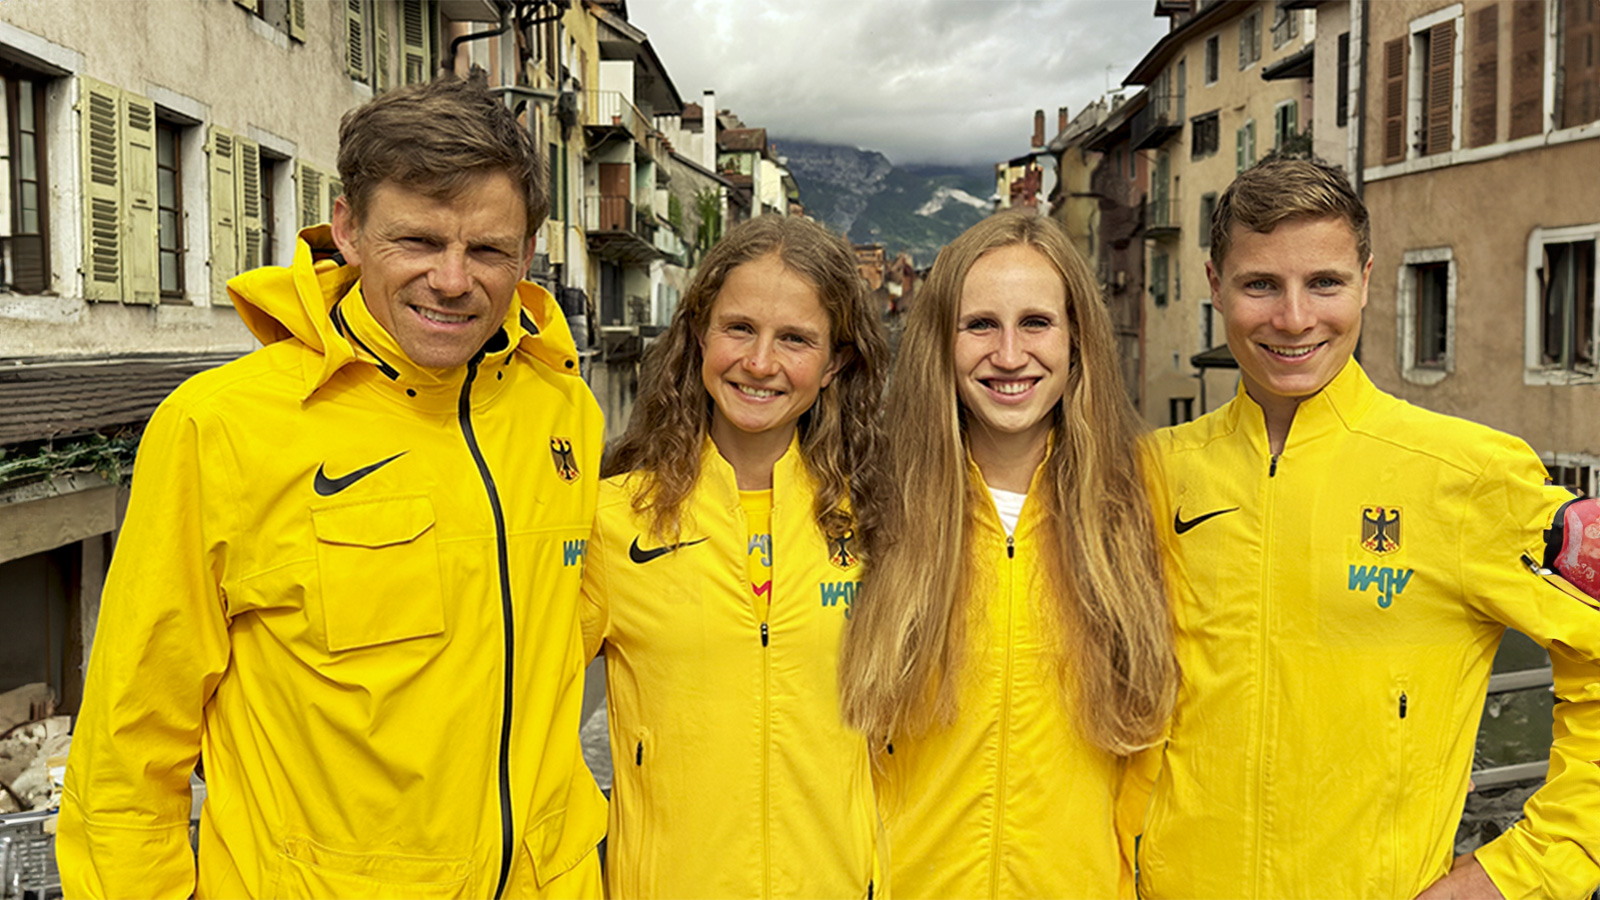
{"points": [[1011, 800], [351, 586], [1338, 611], [734, 775]]}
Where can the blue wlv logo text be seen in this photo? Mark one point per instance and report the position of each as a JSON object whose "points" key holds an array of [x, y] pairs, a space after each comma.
{"points": [[1390, 583], [573, 552], [834, 591]]}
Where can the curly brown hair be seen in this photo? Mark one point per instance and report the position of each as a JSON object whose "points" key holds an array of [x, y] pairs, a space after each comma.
{"points": [[840, 437]]}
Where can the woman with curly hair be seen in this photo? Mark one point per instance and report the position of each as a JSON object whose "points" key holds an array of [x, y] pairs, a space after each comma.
{"points": [[722, 569], [1013, 645]]}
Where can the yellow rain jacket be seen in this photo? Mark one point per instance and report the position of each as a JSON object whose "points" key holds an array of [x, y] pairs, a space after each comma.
{"points": [[1338, 610], [1011, 800], [734, 774], [350, 586]]}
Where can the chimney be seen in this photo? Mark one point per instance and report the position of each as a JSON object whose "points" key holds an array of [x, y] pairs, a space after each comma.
{"points": [[1038, 128], [1061, 117], [708, 131]]}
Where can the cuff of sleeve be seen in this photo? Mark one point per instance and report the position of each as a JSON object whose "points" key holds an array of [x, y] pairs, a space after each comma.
{"points": [[1524, 865]]}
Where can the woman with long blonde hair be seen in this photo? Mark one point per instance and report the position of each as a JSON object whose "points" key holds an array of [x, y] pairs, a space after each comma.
{"points": [[1013, 645], [721, 570]]}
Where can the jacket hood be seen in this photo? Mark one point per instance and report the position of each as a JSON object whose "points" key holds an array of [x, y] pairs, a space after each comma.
{"points": [[300, 301]]}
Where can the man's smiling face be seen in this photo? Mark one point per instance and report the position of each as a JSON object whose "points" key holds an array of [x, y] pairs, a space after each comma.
{"points": [[438, 274], [1291, 299]]}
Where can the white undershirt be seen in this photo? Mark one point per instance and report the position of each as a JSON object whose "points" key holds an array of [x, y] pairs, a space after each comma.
{"points": [[1009, 505]]}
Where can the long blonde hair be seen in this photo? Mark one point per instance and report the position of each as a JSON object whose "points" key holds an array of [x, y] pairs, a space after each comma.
{"points": [[903, 647], [840, 435]]}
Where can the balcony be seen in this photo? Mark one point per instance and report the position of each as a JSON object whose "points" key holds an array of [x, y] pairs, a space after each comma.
{"points": [[612, 118], [1156, 123], [617, 232], [1161, 216]]}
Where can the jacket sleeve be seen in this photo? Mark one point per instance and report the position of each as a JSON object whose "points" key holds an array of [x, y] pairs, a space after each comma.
{"points": [[161, 645], [594, 608], [1553, 851]]}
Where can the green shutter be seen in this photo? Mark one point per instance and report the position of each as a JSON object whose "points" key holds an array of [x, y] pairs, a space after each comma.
{"points": [[251, 226], [355, 39], [222, 151], [414, 41], [308, 194], [380, 46], [141, 235], [297, 20], [100, 125]]}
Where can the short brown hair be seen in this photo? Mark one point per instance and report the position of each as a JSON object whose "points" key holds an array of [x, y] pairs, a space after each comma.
{"points": [[1281, 188], [434, 138]]}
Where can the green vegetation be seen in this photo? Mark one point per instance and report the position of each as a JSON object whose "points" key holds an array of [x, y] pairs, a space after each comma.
{"points": [[111, 457]]}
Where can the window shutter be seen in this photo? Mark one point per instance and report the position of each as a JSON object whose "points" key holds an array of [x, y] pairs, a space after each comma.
{"points": [[1394, 100], [248, 155], [380, 45], [1441, 86], [1527, 68], [335, 191], [1238, 151], [308, 185], [414, 40], [100, 123], [355, 44], [141, 236], [1484, 90], [247, 4], [1580, 62], [297, 20], [221, 148]]}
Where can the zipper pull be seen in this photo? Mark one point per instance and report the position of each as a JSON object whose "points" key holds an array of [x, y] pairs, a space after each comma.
{"points": [[1402, 705], [1011, 547], [638, 755], [763, 634], [869, 889], [1273, 469]]}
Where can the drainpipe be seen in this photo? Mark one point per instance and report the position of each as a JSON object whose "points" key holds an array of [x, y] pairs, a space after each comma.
{"points": [[1362, 22]]}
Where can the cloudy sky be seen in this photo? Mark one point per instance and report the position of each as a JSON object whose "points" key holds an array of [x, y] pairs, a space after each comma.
{"points": [[952, 81]]}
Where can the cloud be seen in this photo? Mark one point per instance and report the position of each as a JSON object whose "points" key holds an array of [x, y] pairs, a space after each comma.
{"points": [[952, 81]]}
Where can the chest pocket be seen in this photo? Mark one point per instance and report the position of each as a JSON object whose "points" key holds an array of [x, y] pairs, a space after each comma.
{"points": [[378, 567]]}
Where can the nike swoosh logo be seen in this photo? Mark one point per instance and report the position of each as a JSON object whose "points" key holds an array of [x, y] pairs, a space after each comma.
{"points": [[1180, 526], [642, 556], [327, 487]]}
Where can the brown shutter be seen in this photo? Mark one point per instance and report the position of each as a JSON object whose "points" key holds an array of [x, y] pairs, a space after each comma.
{"points": [[1527, 68], [1484, 89], [1580, 62], [1394, 100], [1441, 86]]}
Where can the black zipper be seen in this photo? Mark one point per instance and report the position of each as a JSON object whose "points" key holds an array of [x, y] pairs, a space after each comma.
{"points": [[1272, 470], [464, 414], [764, 635]]}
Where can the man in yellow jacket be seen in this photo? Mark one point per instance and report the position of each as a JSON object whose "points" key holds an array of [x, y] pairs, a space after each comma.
{"points": [[1341, 587], [347, 583]]}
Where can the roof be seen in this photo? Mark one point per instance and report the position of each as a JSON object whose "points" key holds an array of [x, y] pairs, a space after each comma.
{"points": [[699, 169], [1116, 123], [1295, 65], [1173, 41], [743, 140], [52, 397], [1218, 357]]}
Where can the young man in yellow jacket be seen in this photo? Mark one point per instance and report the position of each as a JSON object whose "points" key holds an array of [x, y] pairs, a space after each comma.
{"points": [[348, 578], [1345, 566]]}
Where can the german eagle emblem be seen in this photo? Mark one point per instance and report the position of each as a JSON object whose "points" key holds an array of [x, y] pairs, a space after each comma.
{"points": [[566, 464], [839, 550], [1380, 529]]}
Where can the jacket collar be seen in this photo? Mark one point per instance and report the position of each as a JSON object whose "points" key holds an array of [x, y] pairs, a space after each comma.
{"points": [[1334, 409], [317, 299], [980, 503], [721, 486]]}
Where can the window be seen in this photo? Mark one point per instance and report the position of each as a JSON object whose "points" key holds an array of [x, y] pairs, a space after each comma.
{"points": [[1285, 123], [169, 207], [1244, 147], [1433, 75], [1207, 332], [1249, 40], [1183, 86], [1285, 26], [1577, 472], [24, 239], [1212, 54], [1561, 304], [1578, 63], [1180, 410], [1204, 130], [1208, 209], [269, 209], [1426, 307], [287, 16], [1342, 88], [416, 42], [1158, 279]]}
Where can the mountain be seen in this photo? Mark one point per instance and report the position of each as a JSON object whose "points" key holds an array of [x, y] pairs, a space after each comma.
{"points": [[862, 194]]}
